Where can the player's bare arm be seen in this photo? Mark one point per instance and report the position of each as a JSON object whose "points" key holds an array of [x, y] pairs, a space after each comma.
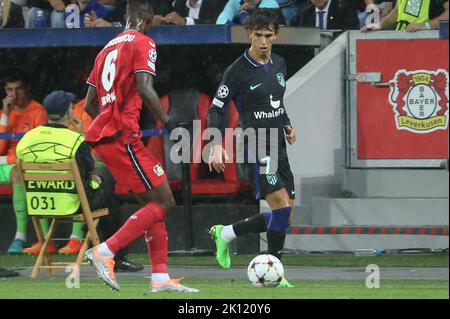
{"points": [[215, 160], [149, 96], [91, 104], [217, 152]]}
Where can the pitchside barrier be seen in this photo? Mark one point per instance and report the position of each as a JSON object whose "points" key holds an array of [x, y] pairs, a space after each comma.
{"points": [[369, 230]]}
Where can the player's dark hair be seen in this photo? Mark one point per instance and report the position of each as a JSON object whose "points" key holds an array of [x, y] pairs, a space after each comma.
{"points": [[263, 19], [138, 6], [16, 76]]}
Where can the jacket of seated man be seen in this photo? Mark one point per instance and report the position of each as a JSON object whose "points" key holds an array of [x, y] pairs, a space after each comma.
{"points": [[208, 13], [231, 11], [339, 17]]}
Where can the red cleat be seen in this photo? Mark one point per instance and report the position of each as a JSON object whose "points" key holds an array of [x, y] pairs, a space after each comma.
{"points": [[35, 249], [72, 248]]}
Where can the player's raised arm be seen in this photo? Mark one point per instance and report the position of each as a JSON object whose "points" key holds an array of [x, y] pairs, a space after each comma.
{"points": [[91, 103]]}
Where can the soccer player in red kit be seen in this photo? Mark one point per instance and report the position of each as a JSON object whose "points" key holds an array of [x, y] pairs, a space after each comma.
{"points": [[120, 82]]}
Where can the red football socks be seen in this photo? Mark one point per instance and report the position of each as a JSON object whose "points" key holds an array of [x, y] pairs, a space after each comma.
{"points": [[145, 218], [157, 244]]}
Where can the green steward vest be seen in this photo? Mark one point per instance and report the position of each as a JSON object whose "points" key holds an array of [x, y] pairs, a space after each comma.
{"points": [[412, 11], [45, 144]]}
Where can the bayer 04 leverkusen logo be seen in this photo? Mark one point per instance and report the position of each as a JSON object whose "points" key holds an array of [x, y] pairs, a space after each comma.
{"points": [[420, 100]]}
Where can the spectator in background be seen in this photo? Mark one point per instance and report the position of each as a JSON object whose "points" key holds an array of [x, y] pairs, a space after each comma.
{"points": [[21, 211], [19, 114], [116, 15], [77, 120], [408, 16], [74, 244], [191, 12], [11, 13], [91, 7], [53, 11], [33, 147], [367, 7], [291, 8], [238, 11], [329, 15], [385, 7], [161, 8]]}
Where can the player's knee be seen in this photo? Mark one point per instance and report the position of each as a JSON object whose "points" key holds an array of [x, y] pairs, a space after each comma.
{"points": [[279, 199]]}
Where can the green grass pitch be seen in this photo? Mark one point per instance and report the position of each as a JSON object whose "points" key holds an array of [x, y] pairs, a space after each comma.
{"points": [[225, 289], [239, 288]]}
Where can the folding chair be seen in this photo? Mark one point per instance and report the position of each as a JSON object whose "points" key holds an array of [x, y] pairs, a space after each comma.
{"points": [[42, 205]]}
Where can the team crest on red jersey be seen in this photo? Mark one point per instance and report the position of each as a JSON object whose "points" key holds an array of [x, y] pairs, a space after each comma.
{"points": [[420, 100], [158, 170]]}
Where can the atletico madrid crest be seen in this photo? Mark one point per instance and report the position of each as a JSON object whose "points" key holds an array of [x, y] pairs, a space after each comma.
{"points": [[281, 80], [272, 179]]}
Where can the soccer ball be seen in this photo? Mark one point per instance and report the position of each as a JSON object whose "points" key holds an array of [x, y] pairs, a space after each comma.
{"points": [[265, 271]]}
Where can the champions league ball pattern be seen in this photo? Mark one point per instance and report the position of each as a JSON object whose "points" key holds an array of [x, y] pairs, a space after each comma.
{"points": [[265, 271]]}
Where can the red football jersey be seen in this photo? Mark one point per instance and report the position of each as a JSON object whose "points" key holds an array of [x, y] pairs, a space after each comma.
{"points": [[114, 78]]}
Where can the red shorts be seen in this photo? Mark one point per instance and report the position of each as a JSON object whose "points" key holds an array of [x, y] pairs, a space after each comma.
{"points": [[134, 168]]}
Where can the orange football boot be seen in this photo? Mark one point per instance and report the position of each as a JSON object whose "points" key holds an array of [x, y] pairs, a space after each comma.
{"points": [[35, 249]]}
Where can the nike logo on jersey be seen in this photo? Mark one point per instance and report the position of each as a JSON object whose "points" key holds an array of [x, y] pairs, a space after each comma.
{"points": [[253, 87], [274, 104]]}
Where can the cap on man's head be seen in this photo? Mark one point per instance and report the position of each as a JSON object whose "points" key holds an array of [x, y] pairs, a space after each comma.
{"points": [[57, 104]]}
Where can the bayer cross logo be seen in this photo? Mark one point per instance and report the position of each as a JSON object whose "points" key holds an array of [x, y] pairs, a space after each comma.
{"points": [[420, 100], [223, 91]]}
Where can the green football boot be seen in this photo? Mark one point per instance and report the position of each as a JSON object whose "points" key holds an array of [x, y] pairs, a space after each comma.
{"points": [[222, 247], [284, 284]]}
